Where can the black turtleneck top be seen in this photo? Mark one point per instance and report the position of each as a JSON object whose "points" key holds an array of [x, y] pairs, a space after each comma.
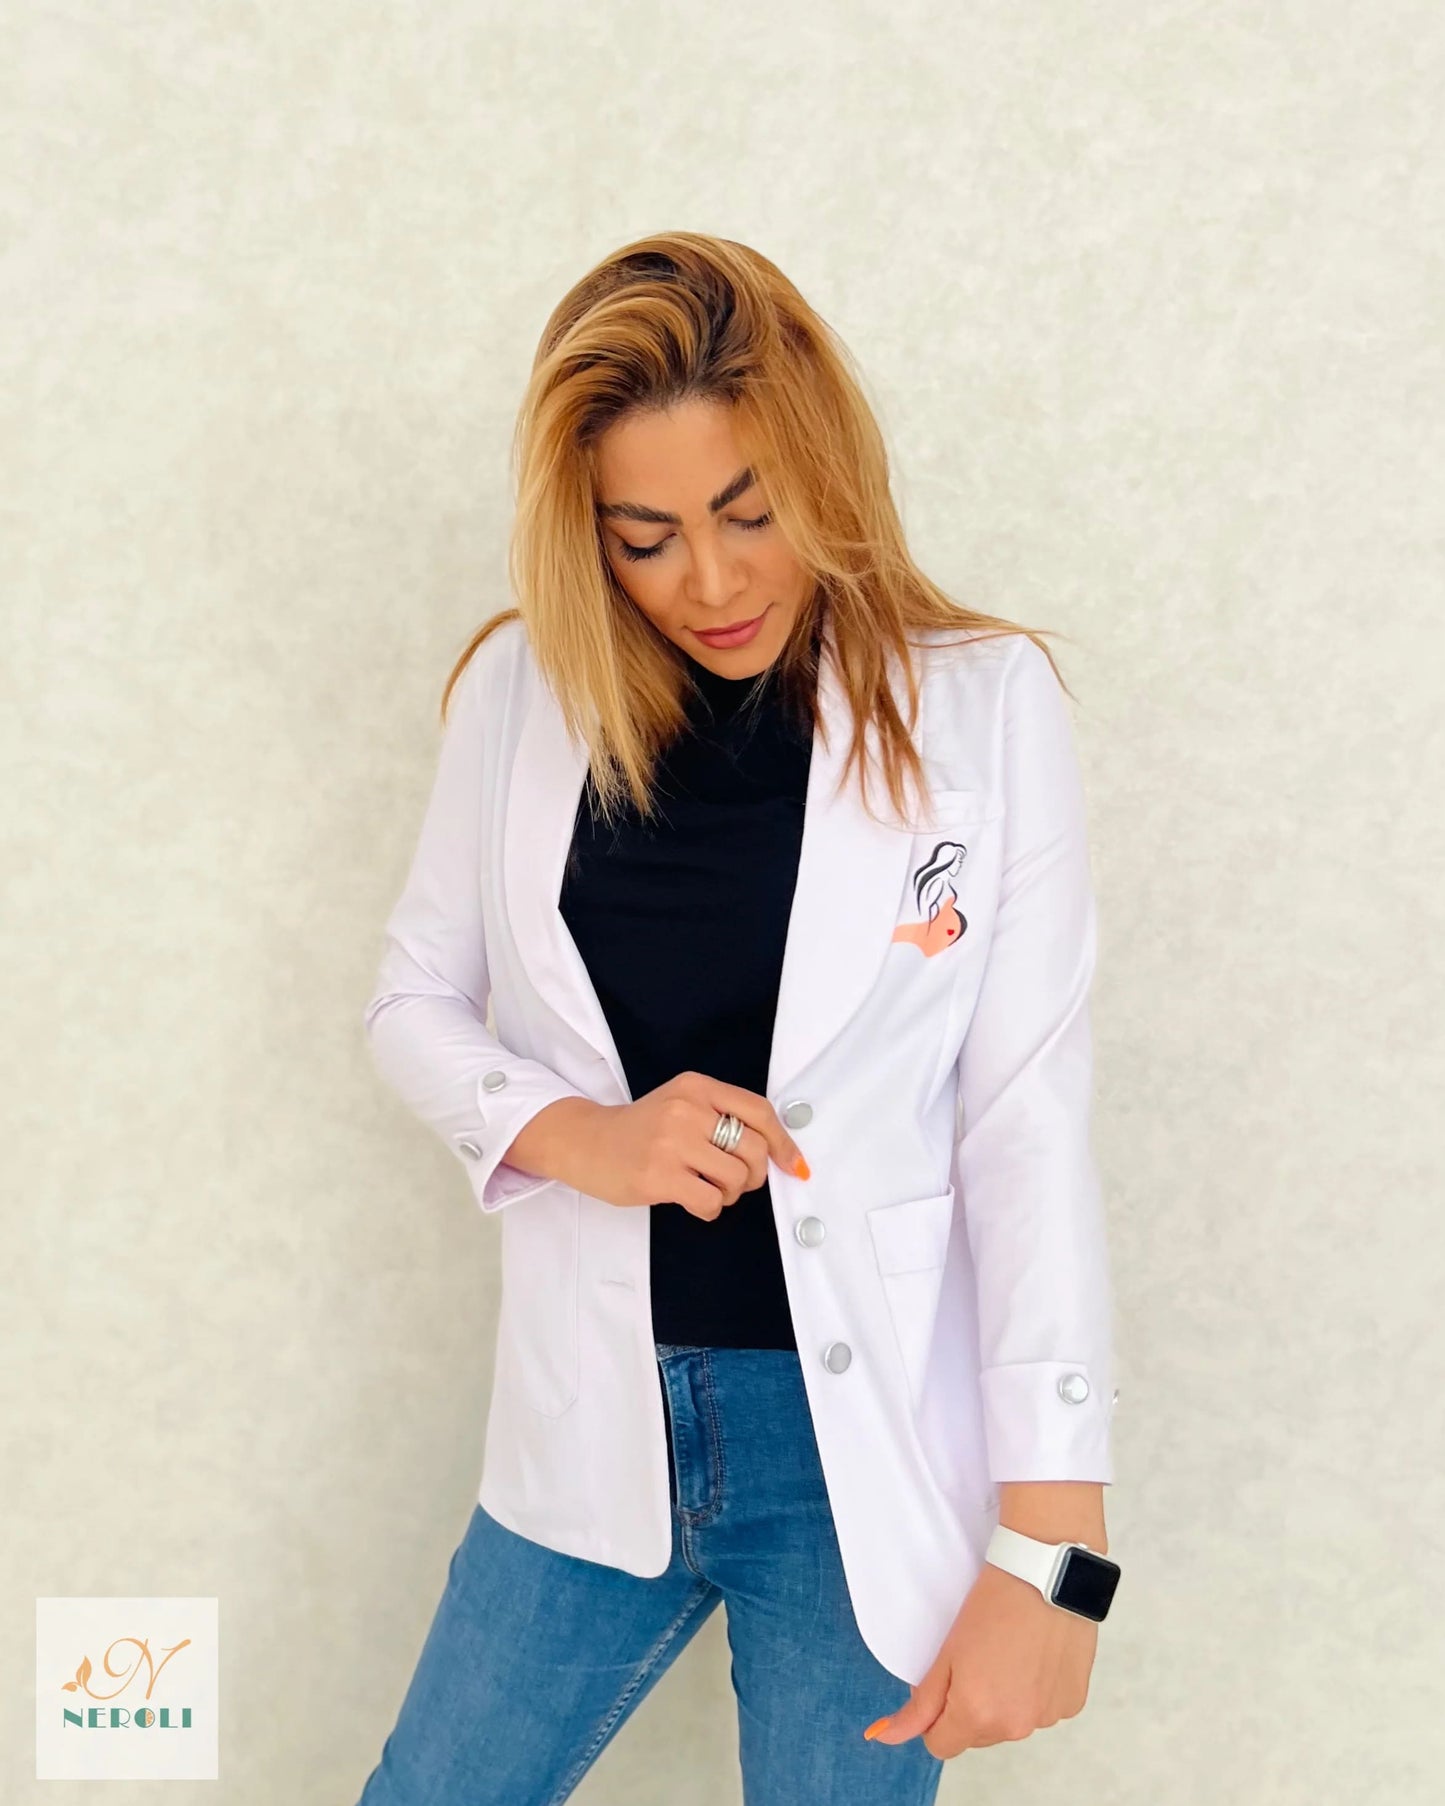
{"points": [[681, 924]]}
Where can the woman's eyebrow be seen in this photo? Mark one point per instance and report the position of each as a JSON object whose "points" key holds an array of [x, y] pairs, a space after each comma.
{"points": [[744, 480]]}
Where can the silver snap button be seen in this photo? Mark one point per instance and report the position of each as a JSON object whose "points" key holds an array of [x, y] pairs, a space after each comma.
{"points": [[470, 1147], [837, 1357], [797, 1114], [1074, 1387], [493, 1081], [810, 1231]]}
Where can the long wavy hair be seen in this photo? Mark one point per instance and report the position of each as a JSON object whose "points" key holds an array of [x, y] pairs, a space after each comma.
{"points": [[674, 317]]}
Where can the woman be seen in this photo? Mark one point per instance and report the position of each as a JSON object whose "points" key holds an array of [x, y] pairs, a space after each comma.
{"points": [[771, 861]]}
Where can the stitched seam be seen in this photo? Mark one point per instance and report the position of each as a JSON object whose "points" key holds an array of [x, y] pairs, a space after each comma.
{"points": [[714, 1504], [689, 1516], [701, 1513], [680, 1466], [649, 1663]]}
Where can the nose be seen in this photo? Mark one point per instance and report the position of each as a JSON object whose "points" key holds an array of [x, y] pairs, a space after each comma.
{"points": [[715, 578]]}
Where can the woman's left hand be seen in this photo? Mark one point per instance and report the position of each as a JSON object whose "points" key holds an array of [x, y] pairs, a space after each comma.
{"points": [[1012, 1664]]}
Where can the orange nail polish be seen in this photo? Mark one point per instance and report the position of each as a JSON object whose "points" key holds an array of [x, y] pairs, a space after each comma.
{"points": [[877, 1725], [800, 1167]]}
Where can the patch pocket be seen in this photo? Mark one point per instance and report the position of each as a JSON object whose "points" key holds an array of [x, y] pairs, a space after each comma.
{"points": [[537, 1343], [910, 1243]]}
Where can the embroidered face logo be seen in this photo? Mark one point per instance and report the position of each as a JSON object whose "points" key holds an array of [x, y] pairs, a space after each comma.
{"points": [[942, 924]]}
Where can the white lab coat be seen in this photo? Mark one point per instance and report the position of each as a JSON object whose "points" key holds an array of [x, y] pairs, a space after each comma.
{"points": [[950, 1291]]}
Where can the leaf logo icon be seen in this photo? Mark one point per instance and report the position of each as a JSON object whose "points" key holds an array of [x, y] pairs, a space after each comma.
{"points": [[82, 1675]]}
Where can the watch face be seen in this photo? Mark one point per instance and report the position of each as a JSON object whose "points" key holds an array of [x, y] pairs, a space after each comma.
{"points": [[1086, 1584]]}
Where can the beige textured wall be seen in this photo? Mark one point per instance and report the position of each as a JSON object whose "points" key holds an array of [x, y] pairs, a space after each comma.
{"points": [[1150, 301]]}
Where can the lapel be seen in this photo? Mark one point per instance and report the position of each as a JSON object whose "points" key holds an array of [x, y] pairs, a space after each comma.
{"points": [[851, 874]]}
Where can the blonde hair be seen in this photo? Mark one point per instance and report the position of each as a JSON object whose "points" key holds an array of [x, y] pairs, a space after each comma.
{"points": [[672, 317]]}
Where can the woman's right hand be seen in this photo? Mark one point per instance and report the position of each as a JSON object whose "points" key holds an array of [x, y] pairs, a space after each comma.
{"points": [[658, 1149]]}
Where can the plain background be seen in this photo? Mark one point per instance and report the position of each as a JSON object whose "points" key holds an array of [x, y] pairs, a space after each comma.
{"points": [[1149, 300]]}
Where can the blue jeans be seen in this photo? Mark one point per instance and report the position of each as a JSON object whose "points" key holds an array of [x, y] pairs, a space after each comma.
{"points": [[535, 1660]]}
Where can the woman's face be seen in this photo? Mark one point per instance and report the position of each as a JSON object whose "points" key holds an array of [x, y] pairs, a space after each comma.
{"points": [[691, 539]]}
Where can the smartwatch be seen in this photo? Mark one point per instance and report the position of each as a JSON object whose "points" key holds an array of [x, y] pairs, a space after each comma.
{"points": [[1072, 1576]]}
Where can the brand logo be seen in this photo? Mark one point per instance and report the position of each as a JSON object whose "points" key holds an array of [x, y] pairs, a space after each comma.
{"points": [[126, 1689], [942, 924]]}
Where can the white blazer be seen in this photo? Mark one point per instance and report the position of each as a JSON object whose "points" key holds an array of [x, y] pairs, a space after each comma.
{"points": [[946, 1263]]}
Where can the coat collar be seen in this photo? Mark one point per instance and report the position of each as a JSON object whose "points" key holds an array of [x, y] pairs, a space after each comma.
{"points": [[851, 875]]}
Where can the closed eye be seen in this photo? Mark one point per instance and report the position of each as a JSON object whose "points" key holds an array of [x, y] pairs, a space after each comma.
{"points": [[634, 554]]}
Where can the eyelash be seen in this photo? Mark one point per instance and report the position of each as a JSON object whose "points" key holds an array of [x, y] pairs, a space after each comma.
{"points": [[634, 554]]}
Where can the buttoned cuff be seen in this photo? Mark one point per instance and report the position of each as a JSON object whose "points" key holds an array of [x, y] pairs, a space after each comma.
{"points": [[1048, 1420], [509, 1095]]}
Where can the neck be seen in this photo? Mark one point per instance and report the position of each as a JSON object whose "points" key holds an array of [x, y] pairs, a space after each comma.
{"points": [[724, 693]]}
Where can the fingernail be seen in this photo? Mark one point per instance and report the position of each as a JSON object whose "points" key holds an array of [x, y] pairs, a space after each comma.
{"points": [[800, 1167], [877, 1725]]}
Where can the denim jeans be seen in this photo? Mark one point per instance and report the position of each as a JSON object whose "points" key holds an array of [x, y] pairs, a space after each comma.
{"points": [[535, 1660]]}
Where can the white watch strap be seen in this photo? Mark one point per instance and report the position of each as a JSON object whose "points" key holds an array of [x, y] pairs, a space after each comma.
{"points": [[1026, 1556]]}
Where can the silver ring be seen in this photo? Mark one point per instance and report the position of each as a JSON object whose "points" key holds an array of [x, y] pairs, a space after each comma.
{"points": [[727, 1133]]}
